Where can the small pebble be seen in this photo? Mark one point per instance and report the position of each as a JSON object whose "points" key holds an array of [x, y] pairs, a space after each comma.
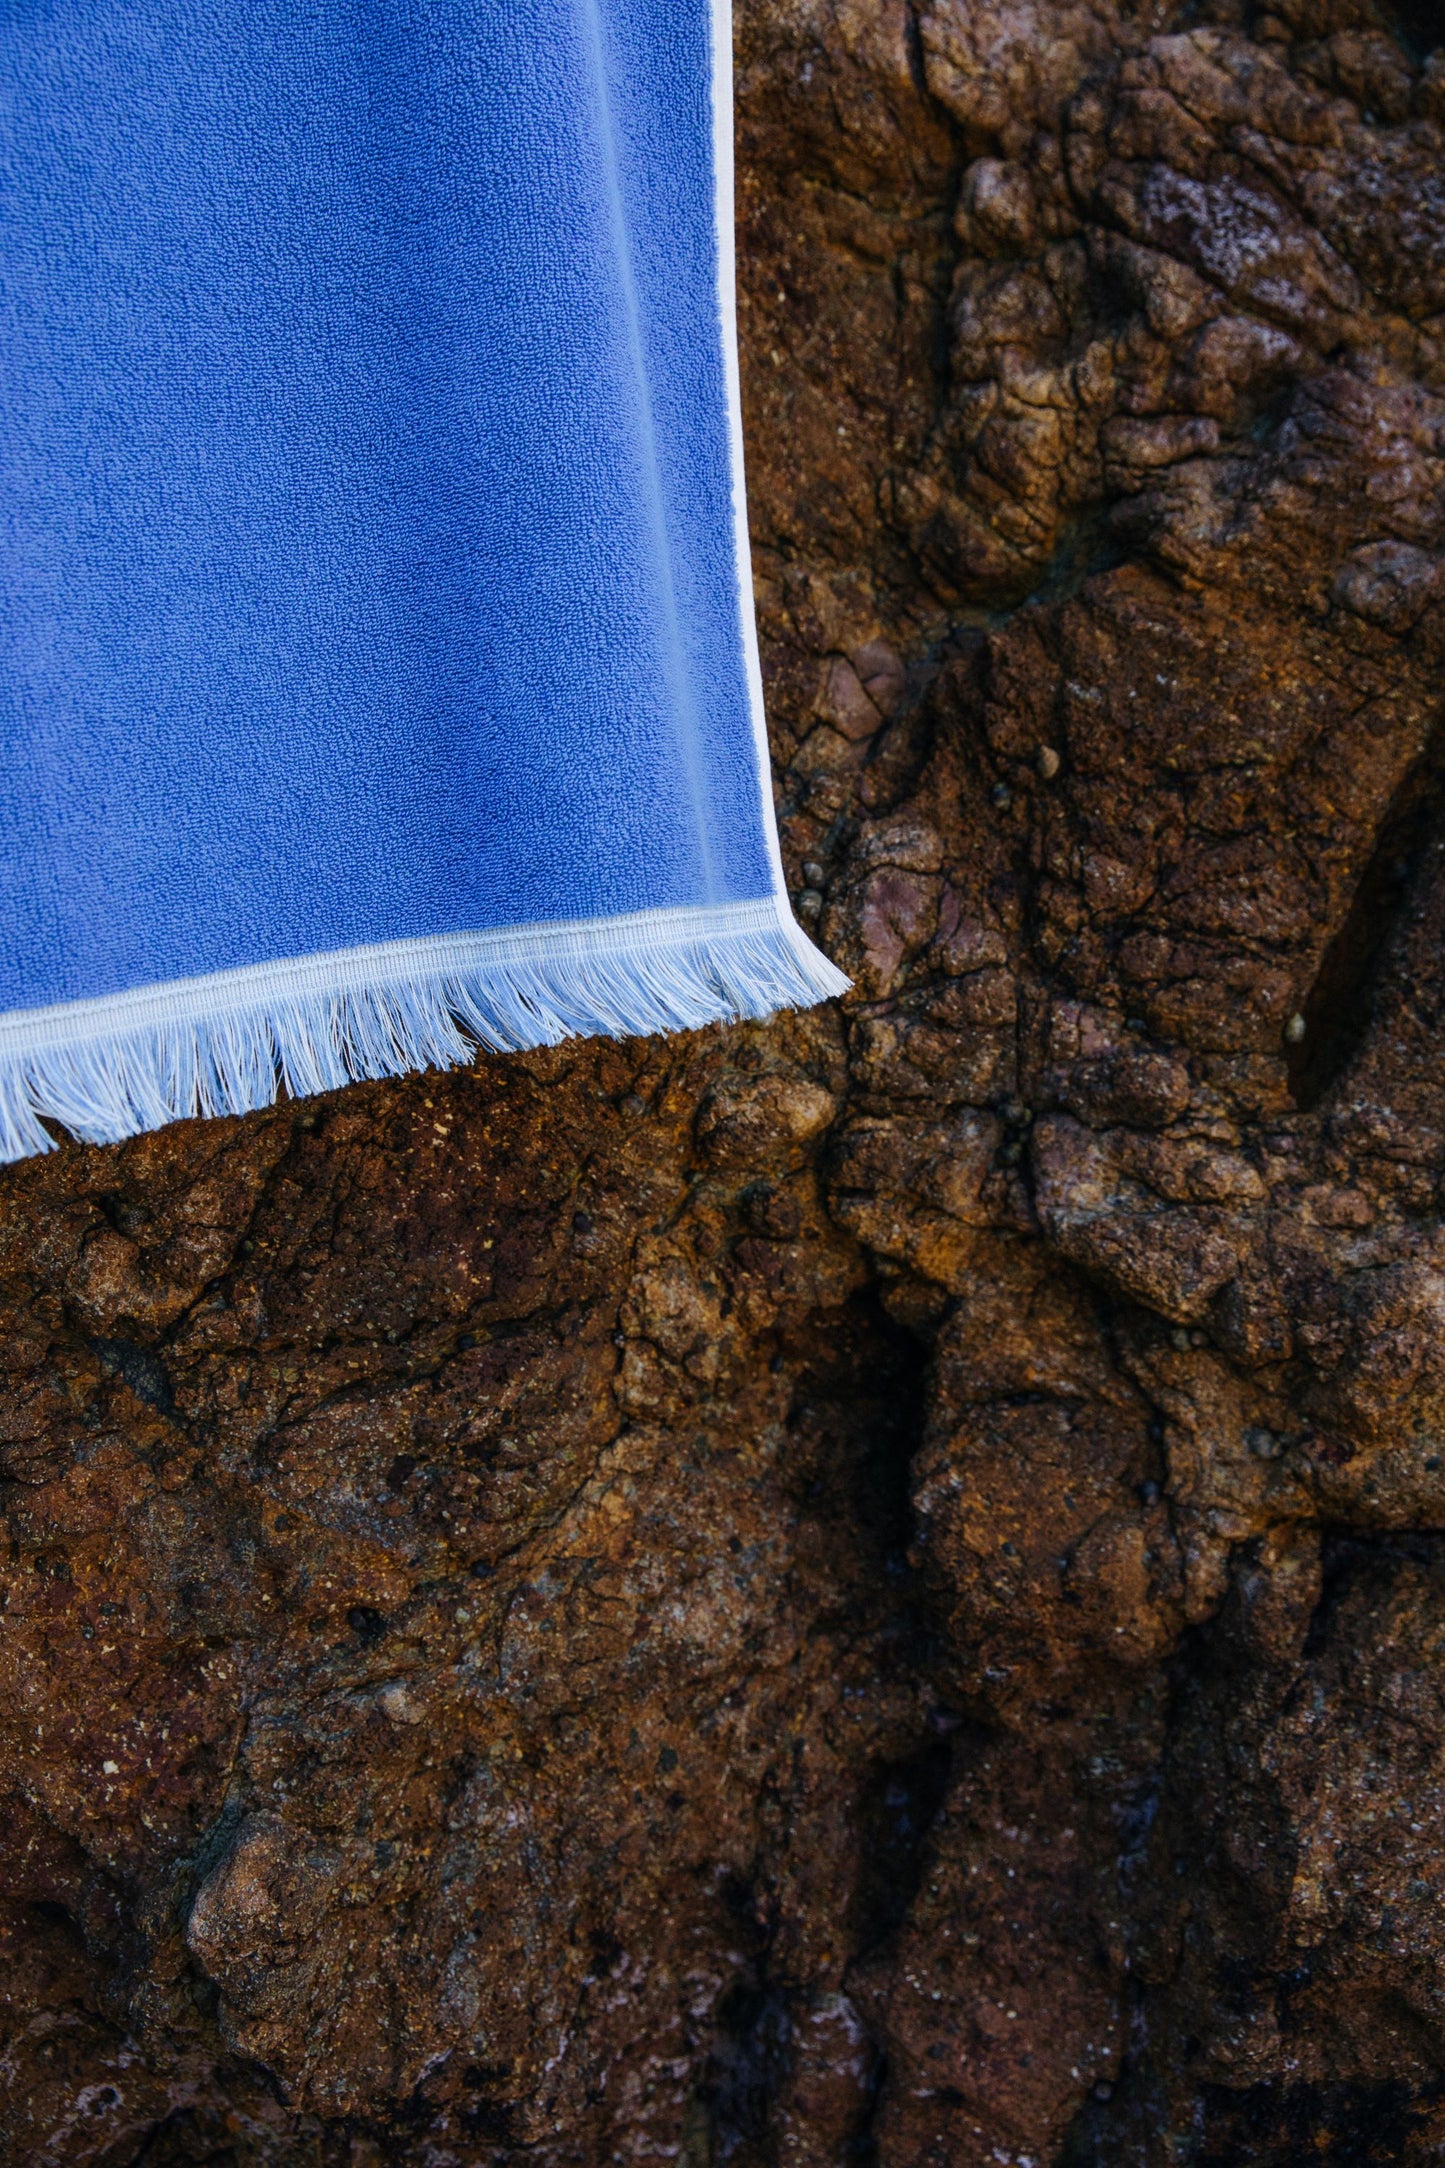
{"points": [[1001, 795], [1294, 1030], [1048, 763], [1264, 1444], [810, 903], [813, 873], [1179, 1339], [397, 1705]]}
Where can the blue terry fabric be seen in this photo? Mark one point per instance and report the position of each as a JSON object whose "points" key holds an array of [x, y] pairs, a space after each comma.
{"points": [[365, 481]]}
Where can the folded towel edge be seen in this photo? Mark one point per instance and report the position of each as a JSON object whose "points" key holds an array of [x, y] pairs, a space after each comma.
{"points": [[225, 1044]]}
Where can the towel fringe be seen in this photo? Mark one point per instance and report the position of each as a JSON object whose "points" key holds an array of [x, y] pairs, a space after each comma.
{"points": [[231, 1058]]}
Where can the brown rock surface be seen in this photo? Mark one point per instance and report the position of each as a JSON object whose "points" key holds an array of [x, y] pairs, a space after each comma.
{"points": [[869, 1589]]}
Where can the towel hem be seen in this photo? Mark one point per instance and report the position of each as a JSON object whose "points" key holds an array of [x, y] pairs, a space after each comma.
{"points": [[109, 1068]]}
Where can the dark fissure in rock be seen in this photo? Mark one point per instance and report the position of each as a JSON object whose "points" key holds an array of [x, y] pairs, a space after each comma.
{"points": [[1342, 1001]]}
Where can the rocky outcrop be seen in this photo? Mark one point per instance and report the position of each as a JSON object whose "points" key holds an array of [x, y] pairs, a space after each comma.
{"points": [[868, 1589]]}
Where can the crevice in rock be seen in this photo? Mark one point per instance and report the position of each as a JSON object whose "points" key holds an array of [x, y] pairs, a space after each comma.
{"points": [[1364, 2126], [1418, 25], [1341, 1003], [898, 1799], [1088, 544], [188, 2138], [862, 1386], [917, 60], [884, 1492], [1349, 1554], [750, 2060], [898, 1808], [138, 1367]]}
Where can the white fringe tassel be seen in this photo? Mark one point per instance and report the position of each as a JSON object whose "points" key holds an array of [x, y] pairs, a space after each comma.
{"points": [[107, 1069]]}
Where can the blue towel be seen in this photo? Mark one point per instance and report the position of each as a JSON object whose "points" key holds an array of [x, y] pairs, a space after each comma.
{"points": [[379, 673]]}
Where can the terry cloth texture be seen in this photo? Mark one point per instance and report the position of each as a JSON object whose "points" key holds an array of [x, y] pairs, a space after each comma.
{"points": [[378, 667]]}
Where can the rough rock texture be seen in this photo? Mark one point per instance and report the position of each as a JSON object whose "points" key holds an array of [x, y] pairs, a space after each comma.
{"points": [[868, 1590]]}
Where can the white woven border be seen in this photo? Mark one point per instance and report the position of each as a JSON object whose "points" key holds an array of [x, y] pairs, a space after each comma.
{"points": [[725, 229], [556, 945]]}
